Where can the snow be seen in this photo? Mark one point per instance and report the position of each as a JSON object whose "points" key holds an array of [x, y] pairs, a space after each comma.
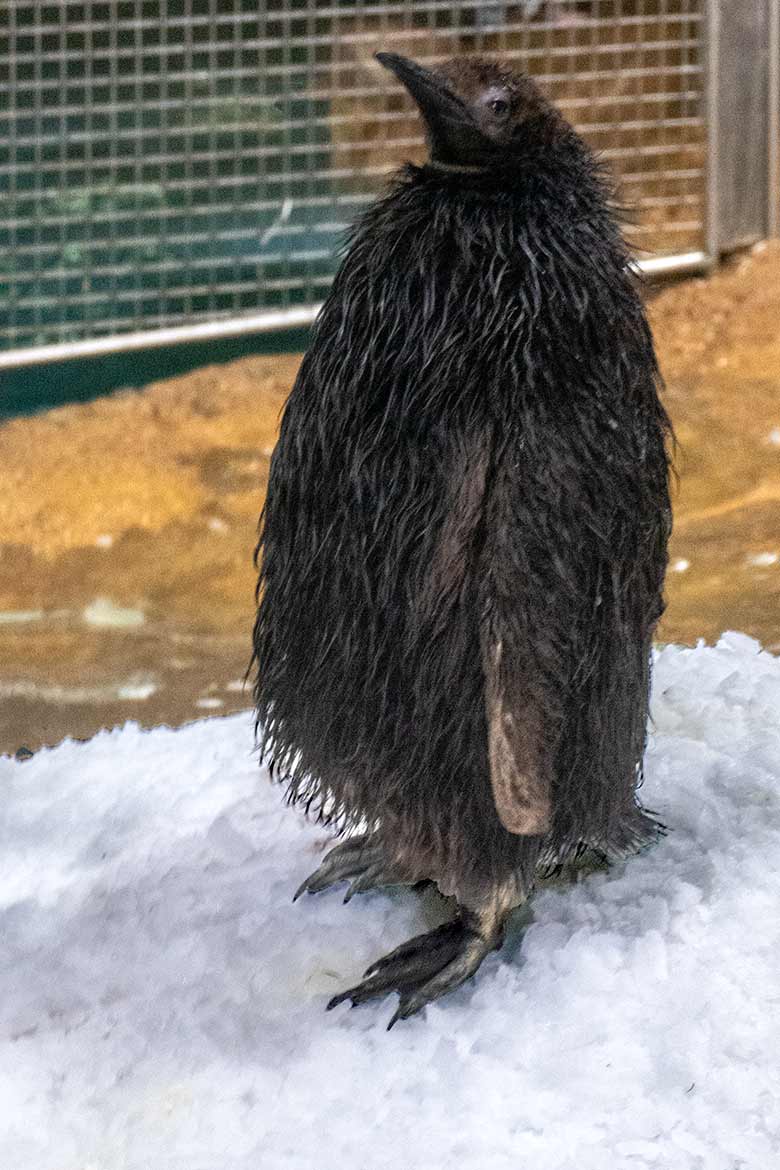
{"points": [[162, 1001]]}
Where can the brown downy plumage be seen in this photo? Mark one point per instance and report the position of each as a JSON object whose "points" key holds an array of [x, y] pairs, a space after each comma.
{"points": [[464, 539]]}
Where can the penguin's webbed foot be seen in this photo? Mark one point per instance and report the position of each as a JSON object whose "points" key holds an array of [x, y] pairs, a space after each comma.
{"points": [[427, 966], [582, 861], [360, 860]]}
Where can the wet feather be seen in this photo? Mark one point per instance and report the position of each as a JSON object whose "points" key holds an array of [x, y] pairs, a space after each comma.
{"points": [[473, 454]]}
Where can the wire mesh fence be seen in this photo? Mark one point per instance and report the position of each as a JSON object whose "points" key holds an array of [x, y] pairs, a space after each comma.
{"points": [[171, 161]]}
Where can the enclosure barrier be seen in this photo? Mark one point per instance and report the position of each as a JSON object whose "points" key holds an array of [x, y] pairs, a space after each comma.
{"points": [[184, 169]]}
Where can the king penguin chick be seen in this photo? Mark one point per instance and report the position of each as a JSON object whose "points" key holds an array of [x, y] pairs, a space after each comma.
{"points": [[464, 538]]}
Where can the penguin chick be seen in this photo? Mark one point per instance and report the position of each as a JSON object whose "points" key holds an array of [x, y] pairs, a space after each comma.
{"points": [[464, 538]]}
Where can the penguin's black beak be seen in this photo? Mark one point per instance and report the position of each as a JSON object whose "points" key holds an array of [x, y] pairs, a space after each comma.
{"points": [[453, 135]]}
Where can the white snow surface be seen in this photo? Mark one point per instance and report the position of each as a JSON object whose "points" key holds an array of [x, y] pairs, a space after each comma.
{"points": [[162, 1001]]}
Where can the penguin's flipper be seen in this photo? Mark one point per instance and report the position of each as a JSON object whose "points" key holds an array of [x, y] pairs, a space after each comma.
{"points": [[518, 773], [473, 548]]}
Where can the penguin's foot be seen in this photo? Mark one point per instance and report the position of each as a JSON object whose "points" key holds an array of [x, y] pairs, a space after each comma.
{"points": [[429, 965], [581, 863], [361, 861]]}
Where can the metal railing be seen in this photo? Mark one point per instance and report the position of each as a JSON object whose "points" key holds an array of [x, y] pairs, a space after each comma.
{"points": [[172, 169]]}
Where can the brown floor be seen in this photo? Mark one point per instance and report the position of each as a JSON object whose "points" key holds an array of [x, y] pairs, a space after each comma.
{"points": [[126, 578]]}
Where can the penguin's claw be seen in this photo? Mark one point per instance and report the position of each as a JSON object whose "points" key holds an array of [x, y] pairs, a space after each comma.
{"points": [[359, 860], [424, 968], [348, 859], [581, 863], [370, 879]]}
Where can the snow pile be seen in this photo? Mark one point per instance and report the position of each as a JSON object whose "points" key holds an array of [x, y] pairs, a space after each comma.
{"points": [[161, 999]]}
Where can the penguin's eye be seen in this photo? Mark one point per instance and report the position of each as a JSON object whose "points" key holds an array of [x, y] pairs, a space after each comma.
{"points": [[500, 107]]}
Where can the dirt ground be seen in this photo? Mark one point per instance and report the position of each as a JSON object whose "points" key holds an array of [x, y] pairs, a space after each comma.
{"points": [[126, 576]]}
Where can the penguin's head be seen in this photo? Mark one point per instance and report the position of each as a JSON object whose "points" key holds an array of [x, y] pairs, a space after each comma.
{"points": [[477, 112]]}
